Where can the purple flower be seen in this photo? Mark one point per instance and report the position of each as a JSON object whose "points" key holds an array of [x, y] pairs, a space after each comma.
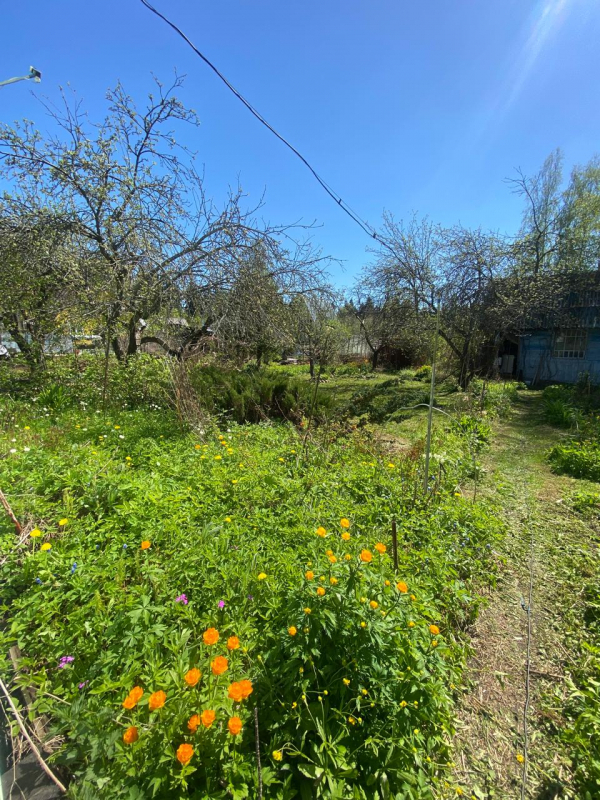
{"points": [[74, 567], [83, 685], [38, 580], [182, 599], [124, 547], [221, 603], [250, 597], [65, 660]]}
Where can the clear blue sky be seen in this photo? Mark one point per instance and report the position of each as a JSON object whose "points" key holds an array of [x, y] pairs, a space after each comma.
{"points": [[408, 106]]}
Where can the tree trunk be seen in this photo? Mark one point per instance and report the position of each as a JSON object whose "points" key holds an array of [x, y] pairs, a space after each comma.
{"points": [[132, 344], [374, 360], [33, 352], [311, 367]]}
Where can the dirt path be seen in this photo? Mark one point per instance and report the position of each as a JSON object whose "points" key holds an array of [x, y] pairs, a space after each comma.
{"points": [[547, 544]]}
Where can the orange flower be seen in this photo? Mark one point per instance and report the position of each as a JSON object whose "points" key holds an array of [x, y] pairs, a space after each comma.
{"points": [[137, 693], [131, 735], [345, 523], [332, 558], [320, 591], [192, 676], [185, 753], [246, 687], [321, 531], [433, 629], [145, 544], [207, 717], [219, 665], [194, 723], [380, 547], [309, 575], [157, 700], [235, 726], [129, 702], [233, 643], [345, 536], [402, 587], [235, 692], [374, 604], [366, 556], [292, 630], [210, 636]]}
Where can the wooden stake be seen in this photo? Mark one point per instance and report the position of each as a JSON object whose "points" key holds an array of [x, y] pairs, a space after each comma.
{"points": [[30, 741], [395, 545], [9, 511]]}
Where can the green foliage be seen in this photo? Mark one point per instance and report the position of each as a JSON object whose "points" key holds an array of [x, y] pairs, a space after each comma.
{"points": [[385, 401], [477, 431], [585, 502], [253, 395], [423, 373], [235, 519], [581, 459]]}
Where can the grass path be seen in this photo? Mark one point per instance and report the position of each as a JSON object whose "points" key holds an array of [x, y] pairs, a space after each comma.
{"points": [[549, 545]]}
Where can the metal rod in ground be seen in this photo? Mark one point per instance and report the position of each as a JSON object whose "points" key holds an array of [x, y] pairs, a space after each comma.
{"points": [[431, 396], [395, 544], [257, 743]]}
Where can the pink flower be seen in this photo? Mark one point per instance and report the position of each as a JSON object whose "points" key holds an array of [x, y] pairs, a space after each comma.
{"points": [[182, 599]]}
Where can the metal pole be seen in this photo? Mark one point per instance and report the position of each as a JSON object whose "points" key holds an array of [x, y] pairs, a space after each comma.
{"points": [[431, 395], [34, 75]]}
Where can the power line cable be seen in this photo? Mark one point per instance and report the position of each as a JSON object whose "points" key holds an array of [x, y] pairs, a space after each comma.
{"points": [[368, 229]]}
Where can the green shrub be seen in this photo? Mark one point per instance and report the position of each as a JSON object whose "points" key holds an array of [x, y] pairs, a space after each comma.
{"points": [[423, 373], [251, 395], [579, 459]]}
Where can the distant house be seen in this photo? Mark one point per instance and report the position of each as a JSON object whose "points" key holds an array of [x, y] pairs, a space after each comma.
{"points": [[560, 345]]}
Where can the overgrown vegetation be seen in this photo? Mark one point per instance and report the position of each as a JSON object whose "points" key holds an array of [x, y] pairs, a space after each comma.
{"points": [[144, 539]]}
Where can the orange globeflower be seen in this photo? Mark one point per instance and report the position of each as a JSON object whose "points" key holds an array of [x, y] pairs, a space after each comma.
{"points": [[233, 643], [345, 536], [157, 700], [137, 693], [246, 687], [207, 717], [380, 547], [235, 726], [321, 531], [402, 587], [145, 544], [309, 575], [192, 676], [320, 591], [235, 692], [185, 753], [332, 558], [292, 630], [210, 636], [219, 665], [131, 735], [194, 723], [345, 523], [434, 629], [129, 702], [366, 556]]}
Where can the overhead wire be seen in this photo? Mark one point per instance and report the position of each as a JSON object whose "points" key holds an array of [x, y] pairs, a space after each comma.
{"points": [[368, 229]]}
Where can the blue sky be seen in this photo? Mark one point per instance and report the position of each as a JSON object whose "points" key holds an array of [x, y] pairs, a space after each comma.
{"points": [[406, 106]]}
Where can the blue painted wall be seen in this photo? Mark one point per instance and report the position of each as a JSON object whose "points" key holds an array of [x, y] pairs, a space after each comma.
{"points": [[535, 361]]}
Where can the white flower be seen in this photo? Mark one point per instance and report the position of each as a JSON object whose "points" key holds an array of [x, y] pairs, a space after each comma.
{"points": [[27, 449], [121, 436], [13, 440], [13, 449]]}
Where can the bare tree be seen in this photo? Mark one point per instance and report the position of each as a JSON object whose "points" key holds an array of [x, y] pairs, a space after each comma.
{"points": [[135, 204]]}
